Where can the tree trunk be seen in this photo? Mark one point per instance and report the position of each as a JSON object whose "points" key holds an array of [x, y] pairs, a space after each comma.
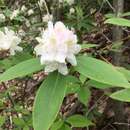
{"points": [[118, 107]]}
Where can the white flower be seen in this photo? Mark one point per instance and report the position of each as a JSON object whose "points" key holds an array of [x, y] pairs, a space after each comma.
{"points": [[9, 41], [40, 3], [72, 10], [23, 8], [47, 18], [14, 14], [2, 17], [58, 45], [70, 2], [30, 12], [27, 22]]}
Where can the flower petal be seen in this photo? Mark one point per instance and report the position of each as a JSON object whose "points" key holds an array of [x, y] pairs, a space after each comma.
{"points": [[62, 68], [51, 67], [71, 59]]}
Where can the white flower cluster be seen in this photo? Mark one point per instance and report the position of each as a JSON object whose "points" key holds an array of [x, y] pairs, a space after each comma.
{"points": [[58, 45], [14, 14], [9, 41], [40, 2], [47, 18], [2, 17], [23, 8], [70, 2], [30, 12]]}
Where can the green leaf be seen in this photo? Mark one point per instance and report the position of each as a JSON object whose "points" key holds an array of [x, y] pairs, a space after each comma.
{"points": [[82, 78], [72, 88], [125, 14], [48, 101], [125, 72], [2, 120], [122, 95], [65, 127], [19, 122], [22, 69], [57, 125], [99, 85], [72, 84], [100, 71], [79, 121], [26, 128], [84, 95], [118, 21], [109, 15]]}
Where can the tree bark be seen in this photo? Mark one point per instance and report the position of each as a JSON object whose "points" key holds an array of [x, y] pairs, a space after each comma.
{"points": [[118, 107]]}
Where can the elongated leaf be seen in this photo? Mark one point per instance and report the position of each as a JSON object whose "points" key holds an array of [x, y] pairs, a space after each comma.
{"points": [[122, 95], [79, 121], [118, 21], [84, 95], [57, 125], [101, 71], [65, 127], [22, 69], [126, 14], [48, 101], [2, 120], [125, 72], [99, 85]]}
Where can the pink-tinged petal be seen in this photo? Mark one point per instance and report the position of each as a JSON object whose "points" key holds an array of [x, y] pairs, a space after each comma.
{"points": [[59, 27]]}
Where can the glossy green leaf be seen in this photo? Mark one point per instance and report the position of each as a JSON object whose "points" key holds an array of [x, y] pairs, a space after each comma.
{"points": [[99, 85], [22, 69], [72, 84], [26, 128], [19, 122], [84, 95], [57, 125], [65, 127], [48, 101], [82, 78], [118, 21], [79, 121], [100, 71], [72, 88], [125, 72], [126, 14], [122, 95], [2, 120]]}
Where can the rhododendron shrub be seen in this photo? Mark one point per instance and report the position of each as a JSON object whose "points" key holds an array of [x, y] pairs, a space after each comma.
{"points": [[9, 41], [58, 45]]}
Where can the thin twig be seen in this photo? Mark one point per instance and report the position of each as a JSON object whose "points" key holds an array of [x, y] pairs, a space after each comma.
{"points": [[45, 4], [110, 5], [119, 123]]}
